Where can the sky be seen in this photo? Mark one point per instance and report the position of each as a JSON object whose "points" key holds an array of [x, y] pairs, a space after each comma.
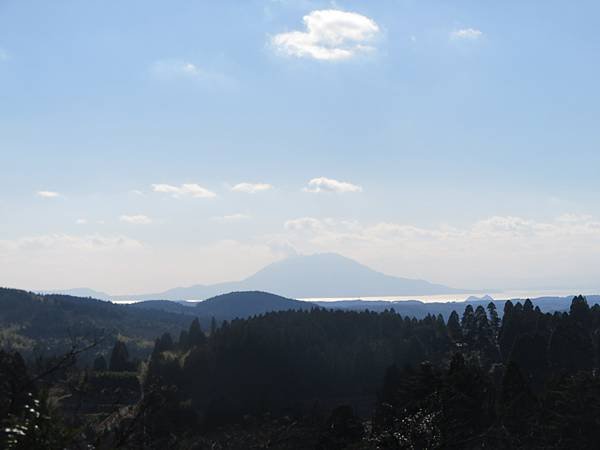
{"points": [[148, 144]]}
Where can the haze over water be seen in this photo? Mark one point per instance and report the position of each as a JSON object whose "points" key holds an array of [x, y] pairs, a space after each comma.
{"points": [[498, 295]]}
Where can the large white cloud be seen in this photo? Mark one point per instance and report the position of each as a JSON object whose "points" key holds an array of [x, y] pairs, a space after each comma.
{"points": [[251, 188], [191, 189], [323, 184], [330, 35]]}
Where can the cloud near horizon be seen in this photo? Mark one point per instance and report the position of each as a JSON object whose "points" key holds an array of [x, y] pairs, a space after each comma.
{"points": [[331, 35], [323, 184], [494, 252], [251, 188], [499, 251], [47, 194], [191, 189], [231, 218], [136, 219]]}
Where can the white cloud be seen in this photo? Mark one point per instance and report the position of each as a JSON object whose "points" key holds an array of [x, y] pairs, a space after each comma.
{"points": [[330, 35], [322, 184], [81, 221], [136, 219], [251, 188], [47, 194], [231, 218], [466, 33], [191, 189]]}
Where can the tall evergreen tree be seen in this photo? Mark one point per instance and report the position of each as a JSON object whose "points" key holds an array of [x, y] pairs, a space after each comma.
{"points": [[454, 329], [195, 334], [119, 357], [468, 323], [494, 319]]}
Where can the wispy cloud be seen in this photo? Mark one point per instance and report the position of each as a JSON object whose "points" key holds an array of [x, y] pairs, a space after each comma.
{"points": [[173, 69], [187, 189], [467, 33], [81, 221], [136, 219], [47, 194], [63, 241], [3, 55], [322, 184], [330, 35], [251, 188], [231, 218]]}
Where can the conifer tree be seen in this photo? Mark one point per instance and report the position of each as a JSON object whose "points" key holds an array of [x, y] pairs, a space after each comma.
{"points": [[454, 329], [119, 357]]}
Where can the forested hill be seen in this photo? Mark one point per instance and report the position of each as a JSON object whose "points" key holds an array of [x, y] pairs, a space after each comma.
{"points": [[52, 324], [246, 304]]}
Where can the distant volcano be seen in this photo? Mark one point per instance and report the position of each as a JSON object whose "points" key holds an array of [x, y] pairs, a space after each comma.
{"points": [[319, 275]]}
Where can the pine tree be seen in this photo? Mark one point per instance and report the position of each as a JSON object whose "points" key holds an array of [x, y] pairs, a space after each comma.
{"points": [[494, 319], [119, 357], [195, 334], [454, 329], [580, 310], [468, 324]]}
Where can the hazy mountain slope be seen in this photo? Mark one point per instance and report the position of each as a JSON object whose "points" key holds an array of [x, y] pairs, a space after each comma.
{"points": [[80, 292], [320, 275], [418, 309]]}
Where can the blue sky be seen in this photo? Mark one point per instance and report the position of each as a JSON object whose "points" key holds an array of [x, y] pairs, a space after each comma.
{"points": [[465, 133]]}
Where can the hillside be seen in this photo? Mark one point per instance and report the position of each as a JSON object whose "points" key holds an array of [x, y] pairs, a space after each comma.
{"points": [[246, 304], [50, 324]]}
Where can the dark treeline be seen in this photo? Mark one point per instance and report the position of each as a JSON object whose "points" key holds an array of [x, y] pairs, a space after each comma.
{"points": [[335, 379]]}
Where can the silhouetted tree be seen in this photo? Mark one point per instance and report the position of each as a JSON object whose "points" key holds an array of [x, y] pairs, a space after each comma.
{"points": [[454, 329], [468, 324], [119, 357], [195, 334], [580, 310], [494, 319]]}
